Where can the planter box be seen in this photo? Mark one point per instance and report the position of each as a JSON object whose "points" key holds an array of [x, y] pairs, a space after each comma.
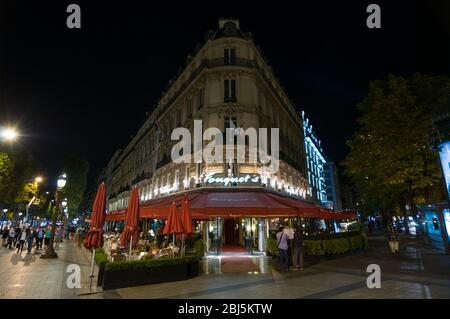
{"points": [[193, 269], [101, 271], [113, 279]]}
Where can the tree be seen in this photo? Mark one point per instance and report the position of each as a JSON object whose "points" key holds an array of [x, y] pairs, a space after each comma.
{"points": [[27, 193], [20, 172], [390, 162], [76, 170], [6, 167]]}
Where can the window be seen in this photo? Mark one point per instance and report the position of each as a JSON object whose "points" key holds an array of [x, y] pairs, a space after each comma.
{"points": [[168, 179], [188, 175], [177, 176], [229, 56], [259, 99], [230, 90], [200, 98], [198, 168], [177, 118], [189, 107], [230, 122]]}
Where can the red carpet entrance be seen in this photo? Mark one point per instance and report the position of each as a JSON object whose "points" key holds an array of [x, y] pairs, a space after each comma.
{"points": [[233, 249], [231, 264]]}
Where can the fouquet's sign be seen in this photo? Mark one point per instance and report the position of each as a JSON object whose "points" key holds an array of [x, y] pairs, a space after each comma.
{"points": [[211, 178]]}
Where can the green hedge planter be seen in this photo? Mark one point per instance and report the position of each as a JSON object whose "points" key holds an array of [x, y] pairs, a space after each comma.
{"points": [[123, 274], [326, 245]]}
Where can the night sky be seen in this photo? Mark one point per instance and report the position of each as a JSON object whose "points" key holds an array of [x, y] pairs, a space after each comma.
{"points": [[86, 91]]}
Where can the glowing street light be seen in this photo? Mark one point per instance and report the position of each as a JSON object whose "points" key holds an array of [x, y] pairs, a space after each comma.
{"points": [[61, 181], [9, 134], [38, 179], [50, 252]]}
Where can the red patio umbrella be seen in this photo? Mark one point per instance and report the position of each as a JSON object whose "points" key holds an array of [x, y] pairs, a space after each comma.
{"points": [[186, 220], [94, 237], [132, 220], [173, 224], [186, 217]]}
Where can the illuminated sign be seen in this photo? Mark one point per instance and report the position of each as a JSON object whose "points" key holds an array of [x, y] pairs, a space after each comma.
{"points": [[211, 179], [444, 154], [168, 189]]}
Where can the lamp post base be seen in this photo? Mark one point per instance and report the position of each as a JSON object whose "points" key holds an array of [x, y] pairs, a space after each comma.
{"points": [[49, 254]]}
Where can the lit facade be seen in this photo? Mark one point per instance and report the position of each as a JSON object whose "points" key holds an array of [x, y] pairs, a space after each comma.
{"points": [[226, 83], [314, 163]]}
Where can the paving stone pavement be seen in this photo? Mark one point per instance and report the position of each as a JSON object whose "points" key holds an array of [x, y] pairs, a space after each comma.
{"points": [[29, 276], [418, 272]]}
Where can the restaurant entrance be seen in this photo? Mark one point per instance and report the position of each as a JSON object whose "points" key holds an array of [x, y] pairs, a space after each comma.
{"points": [[233, 232], [241, 235]]}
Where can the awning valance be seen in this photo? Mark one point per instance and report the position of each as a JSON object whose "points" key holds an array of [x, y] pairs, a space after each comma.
{"points": [[207, 204]]}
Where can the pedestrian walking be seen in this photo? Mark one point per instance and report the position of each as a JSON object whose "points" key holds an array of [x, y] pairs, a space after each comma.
{"points": [[5, 236], [30, 238], [11, 236], [58, 237], [17, 232], [48, 234], [21, 240], [298, 244], [392, 233], [40, 237], [283, 248]]}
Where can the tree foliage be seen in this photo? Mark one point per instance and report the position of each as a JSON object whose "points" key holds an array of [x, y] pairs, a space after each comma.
{"points": [[76, 170], [27, 193], [6, 167], [17, 168], [390, 163]]}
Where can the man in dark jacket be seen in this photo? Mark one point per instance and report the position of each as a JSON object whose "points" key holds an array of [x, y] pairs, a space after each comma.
{"points": [[298, 245]]}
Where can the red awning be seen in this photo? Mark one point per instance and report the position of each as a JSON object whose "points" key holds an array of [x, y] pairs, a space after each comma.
{"points": [[117, 215], [250, 204], [236, 203]]}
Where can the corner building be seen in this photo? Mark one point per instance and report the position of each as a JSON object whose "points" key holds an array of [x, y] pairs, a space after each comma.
{"points": [[226, 83]]}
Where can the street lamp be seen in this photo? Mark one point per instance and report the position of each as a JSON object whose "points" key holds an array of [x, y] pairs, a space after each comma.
{"points": [[9, 134], [38, 179], [50, 252]]}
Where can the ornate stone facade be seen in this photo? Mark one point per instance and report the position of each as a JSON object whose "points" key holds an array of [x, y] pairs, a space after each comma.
{"points": [[226, 81]]}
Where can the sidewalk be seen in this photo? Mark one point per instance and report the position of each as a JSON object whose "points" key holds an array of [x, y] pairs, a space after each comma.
{"points": [[417, 272], [29, 276]]}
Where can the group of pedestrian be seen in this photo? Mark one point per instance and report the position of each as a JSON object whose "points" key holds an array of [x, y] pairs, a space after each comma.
{"points": [[16, 237], [283, 248]]}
